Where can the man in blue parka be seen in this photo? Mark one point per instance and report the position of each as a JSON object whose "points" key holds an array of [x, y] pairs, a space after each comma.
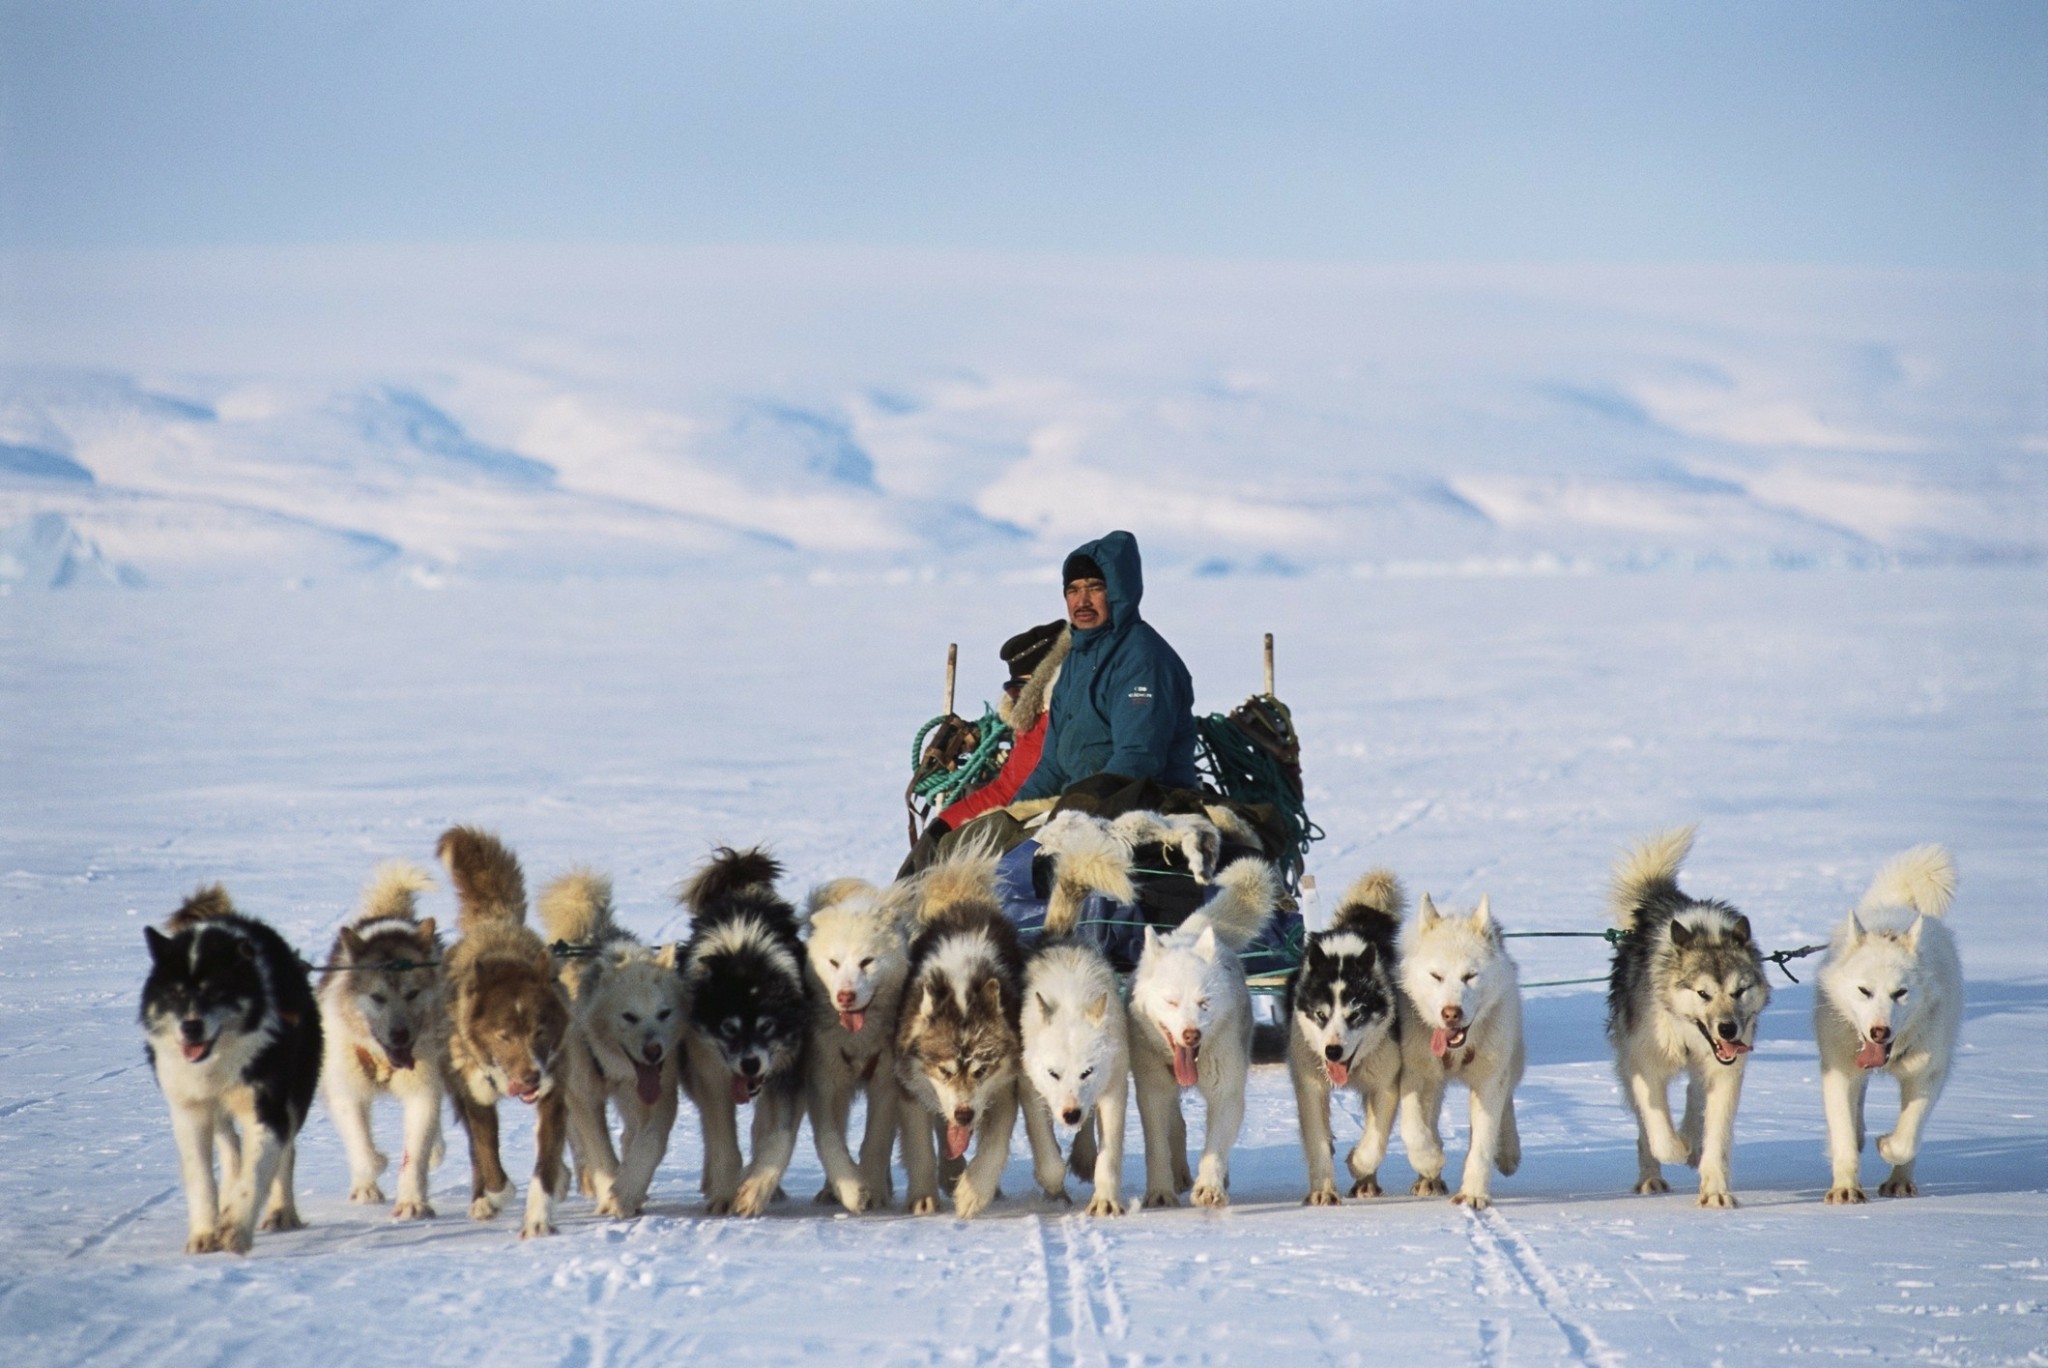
{"points": [[1124, 703]]}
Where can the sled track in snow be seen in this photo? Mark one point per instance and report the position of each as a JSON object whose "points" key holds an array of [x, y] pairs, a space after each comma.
{"points": [[1502, 1251], [122, 1222], [1084, 1309]]}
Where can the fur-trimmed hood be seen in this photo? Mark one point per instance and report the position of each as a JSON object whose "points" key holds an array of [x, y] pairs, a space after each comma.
{"points": [[1030, 703]]}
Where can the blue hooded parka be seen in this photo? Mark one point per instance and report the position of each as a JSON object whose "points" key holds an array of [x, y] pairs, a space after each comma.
{"points": [[1124, 703]]}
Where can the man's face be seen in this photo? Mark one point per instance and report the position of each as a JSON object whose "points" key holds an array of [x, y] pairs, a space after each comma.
{"points": [[1087, 603]]}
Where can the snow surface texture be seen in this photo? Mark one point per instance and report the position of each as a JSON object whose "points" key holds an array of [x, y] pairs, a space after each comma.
{"points": [[205, 416], [1499, 734]]}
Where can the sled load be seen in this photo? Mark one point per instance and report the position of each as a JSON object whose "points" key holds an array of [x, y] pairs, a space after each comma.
{"points": [[1111, 856]]}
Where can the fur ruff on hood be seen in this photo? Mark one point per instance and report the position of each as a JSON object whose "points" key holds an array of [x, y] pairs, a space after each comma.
{"points": [[1029, 705]]}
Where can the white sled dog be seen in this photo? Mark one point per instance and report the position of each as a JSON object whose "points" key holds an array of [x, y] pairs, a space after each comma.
{"points": [[1889, 996], [958, 1043], [1461, 1020], [1684, 993], [857, 955], [387, 1035], [627, 1004], [1344, 1006], [1191, 1026]]}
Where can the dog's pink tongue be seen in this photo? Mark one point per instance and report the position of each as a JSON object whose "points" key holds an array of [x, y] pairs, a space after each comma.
{"points": [[1184, 1066], [400, 1057], [740, 1094], [1439, 1042], [195, 1053], [648, 1076], [957, 1137], [1340, 1074], [853, 1021], [1871, 1056]]}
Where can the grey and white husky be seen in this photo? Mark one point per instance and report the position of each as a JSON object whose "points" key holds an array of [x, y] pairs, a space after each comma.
{"points": [[1344, 1010], [387, 1035], [1461, 1021], [1889, 997], [857, 955], [1684, 994], [1191, 1027]]}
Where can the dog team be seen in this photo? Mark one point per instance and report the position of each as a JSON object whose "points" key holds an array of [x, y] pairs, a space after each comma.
{"points": [[923, 998]]}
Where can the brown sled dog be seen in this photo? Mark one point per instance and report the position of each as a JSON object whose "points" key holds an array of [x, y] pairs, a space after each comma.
{"points": [[508, 1026]]}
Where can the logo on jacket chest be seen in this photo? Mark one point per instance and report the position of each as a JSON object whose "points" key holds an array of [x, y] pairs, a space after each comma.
{"points": [[1141, 693]]}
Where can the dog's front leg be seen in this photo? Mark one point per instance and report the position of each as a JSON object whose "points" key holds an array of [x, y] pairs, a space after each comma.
{"points": [[351, 1112], [192, 1127], [489, 1187], [263, 1151], [1489, 1101], [422, 1137], [1839, 1094], [719, 1119], [1381, 1101], [1649, 1096], [1107, 1199], [777, 1113], [282, 1210], [1723, 1091], [977, 1186], [1422, 1098], [1318, 1145], [1158, 1110], [1219, 1134], [550, 1176], [878, 1141], [1047, 1163], [920, 1156], [646, 1144], [830, 1094], [1918, 1087], [1692, 1125]]}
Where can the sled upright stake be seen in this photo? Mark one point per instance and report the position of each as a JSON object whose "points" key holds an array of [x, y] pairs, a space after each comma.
{"points": [[1269, 665], [952, 667]]}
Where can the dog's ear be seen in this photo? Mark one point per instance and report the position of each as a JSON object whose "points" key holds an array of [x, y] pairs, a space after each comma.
{"points": [[1856, 931], [1912, 936], [1151, 939], [1205, 944], [1045, 1008], [1098, 1009], [992, 992], [667, 956], [1681, 934], [351, 944], [1427, 912], [158, 944], [428, 930], [1367, 955], [1482, 915], [1741, 931], [928, 1000]]}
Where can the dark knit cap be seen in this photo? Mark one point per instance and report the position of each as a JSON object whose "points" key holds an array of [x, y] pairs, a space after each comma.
{"points": [[1023, 651], [1079, 566]]}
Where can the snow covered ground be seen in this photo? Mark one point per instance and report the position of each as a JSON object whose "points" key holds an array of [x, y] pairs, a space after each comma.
{"points": [[1478, 732]]}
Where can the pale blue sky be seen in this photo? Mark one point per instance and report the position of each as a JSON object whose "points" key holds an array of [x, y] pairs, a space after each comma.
{"points": [[1859, 132]]}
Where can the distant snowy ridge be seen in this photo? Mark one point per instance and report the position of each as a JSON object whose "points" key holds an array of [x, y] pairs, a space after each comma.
{"points": [[433, 413]]}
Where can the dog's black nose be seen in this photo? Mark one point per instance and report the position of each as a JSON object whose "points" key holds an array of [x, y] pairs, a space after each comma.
{"points": [[651, 1052], [1072, 1116], [192, 1029], [1333, 1053], [751, 1065], [1880, 1034], [401, 1037], [1727, 1030], [963, 1116]]}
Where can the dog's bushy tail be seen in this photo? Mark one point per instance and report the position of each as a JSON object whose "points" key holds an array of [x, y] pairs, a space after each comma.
{"points": [[730, 872], [1923, 878], [393, 893], [1376, 901], [577, 908], [206, 904], [1246, 893], [1646, 869], [488, 883], [1088, 856], [965, 878]]}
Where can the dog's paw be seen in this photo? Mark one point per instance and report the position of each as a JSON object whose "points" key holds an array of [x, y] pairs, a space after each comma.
{"points": [[537, 1227], [967, 1203], [1104, 1204], [1432, 1186], [1477, 1201], [1896, 1186], [718, 1206], [1323, 1196], [368, 1193], [204, 1242], [1845, 1196], [924, 1206], [1719, 1198], [413, 1211], [1368, 1186], [827, 1197], [586, 1184], [753, 1198], [609, 1205], [854, 1196], [230, 1238], [282, 1219], [1209, 1194], [1892, 1152], [1650, 1187], [1158, 1197], [485, 1206]]}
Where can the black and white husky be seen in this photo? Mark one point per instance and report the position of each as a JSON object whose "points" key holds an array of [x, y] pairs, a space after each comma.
{"points": [[233, 1034], [1684, 994], [1343, 1004], [749, 1021], [387, 1035], [1889, 998]]}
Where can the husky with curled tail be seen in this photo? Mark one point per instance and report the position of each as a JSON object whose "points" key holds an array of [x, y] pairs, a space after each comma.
{"points": [[1461, 1022], [1344, 1010], [1191, 1027], [959, 1045], [1684, 993], [627, 1004], [1889, 998], [857, 955], [387, 1035]]}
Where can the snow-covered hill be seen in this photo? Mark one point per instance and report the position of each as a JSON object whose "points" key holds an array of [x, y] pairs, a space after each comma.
{"points": [[441, 413]]}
